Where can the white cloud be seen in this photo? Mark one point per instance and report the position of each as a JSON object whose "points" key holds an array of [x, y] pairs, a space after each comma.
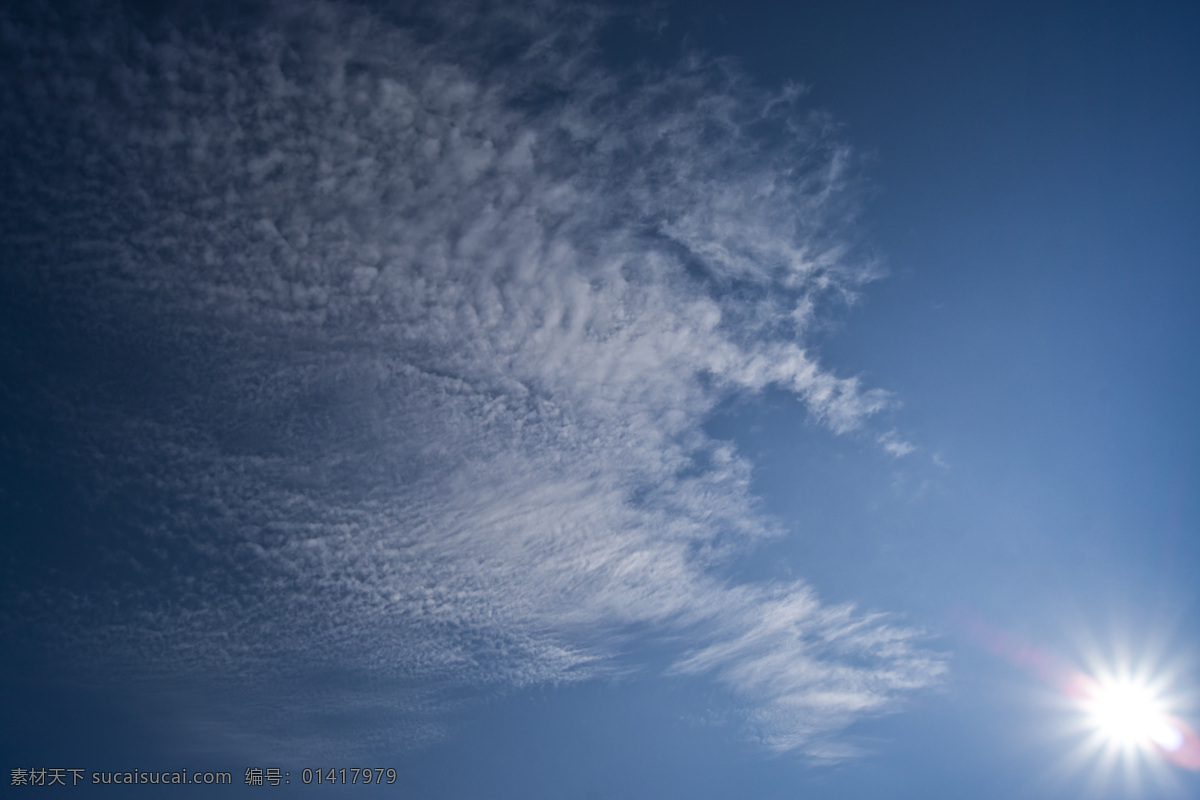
{"points": [[438, 326], [894, 445]]}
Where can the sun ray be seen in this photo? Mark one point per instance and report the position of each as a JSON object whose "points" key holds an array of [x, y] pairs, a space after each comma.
{"points": [[1121, 718]]}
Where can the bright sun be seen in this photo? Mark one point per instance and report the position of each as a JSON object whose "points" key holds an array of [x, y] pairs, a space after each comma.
{"points": [[1131, 715]]}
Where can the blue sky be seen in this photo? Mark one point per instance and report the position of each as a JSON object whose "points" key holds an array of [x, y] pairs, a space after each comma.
{"points": [[588, 401]]}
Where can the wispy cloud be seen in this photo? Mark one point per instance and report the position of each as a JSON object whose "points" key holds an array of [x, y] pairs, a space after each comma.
{"points": [[433, 314], [893, 444]]}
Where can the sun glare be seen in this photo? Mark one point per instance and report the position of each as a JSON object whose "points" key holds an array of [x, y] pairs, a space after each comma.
{"points": [[1124, 716], [1132, 716]]}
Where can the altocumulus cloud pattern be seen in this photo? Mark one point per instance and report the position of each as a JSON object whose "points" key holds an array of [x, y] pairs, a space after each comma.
{"points": [[379, 345]]}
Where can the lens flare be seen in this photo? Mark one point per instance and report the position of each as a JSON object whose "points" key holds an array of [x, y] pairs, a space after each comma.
{"points": [[1127, 715]]}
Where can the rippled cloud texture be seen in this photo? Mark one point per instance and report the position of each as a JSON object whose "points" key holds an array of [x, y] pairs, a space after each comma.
{"points": [[392, 339]]}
